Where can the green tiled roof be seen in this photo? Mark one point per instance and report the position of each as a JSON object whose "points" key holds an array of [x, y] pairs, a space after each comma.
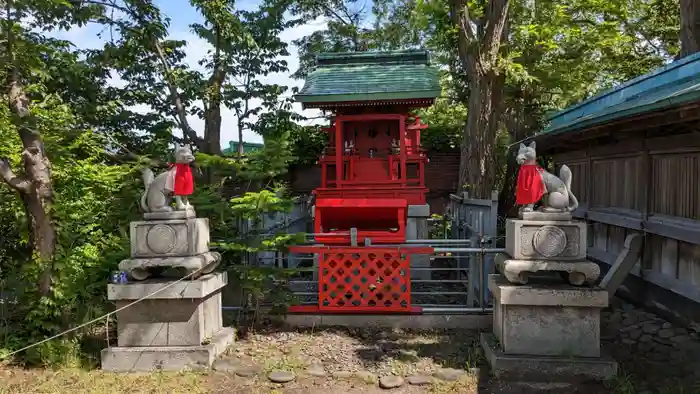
{"points": [[370, 76], [673, 85]]}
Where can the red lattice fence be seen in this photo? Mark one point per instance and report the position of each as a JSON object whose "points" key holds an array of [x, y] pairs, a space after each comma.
{"points": [[364, 280], [369, 279]]}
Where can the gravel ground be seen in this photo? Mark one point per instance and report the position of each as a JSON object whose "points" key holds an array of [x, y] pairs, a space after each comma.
{"points": [[655, 356], [355, 360]]}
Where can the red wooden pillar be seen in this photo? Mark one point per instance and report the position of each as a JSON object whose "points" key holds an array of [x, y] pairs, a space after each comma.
{"points": [[338, 151], [402, 148], [417, 142]]}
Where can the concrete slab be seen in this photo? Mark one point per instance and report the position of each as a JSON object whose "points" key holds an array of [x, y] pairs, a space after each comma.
{"points": [[545, 368], [546, 294], [546, 216], [167, 358], [199, 288], [422, 211], [546, 319], [172, 215], [169, 322], [417, 322]]}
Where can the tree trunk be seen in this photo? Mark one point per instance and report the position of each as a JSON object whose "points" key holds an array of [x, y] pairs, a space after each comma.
{"points": [[240, 141], [34, 186], [212, 129], [506, 198], [690, 27], [212, 115], [479, 51], [477, 173]]}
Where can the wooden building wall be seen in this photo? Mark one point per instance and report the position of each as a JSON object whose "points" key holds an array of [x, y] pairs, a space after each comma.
{"points": [[649, 185]]}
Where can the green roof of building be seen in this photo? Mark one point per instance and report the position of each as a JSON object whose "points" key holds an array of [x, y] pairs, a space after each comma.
{"points": [[247, 147], [673, 85], [370, 76]]}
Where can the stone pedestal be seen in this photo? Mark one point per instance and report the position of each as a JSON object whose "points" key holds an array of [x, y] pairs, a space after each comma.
{"points": [[165, 240], [417, 228], [179, 327], [546, 331], [546, 241]]}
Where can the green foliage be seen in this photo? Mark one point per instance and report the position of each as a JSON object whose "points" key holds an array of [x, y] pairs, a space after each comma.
{"points": [[440, 226], [93, 205], [446, 123], [556, 53], [307, 144], [261, 284]]}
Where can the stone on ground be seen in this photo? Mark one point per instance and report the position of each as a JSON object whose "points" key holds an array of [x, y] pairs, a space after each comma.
{"points": [[390, 382], [246, 371], [419, 380], [224, 365], [316, 370], [449, 374], [279, 376]]}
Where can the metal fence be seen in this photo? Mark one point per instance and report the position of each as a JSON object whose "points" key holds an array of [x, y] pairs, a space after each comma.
{"points": [[451, 280]]}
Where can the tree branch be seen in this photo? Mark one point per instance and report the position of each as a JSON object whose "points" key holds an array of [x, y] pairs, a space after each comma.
{"points": [[459, 15], [20, 184], [497, 17], [175, 97]]}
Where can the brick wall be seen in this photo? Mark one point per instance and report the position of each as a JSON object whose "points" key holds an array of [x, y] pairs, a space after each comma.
{"points": [[441, 174]]}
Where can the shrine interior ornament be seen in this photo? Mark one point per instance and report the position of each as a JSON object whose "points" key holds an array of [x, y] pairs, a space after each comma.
{"points": [[535, 183]]}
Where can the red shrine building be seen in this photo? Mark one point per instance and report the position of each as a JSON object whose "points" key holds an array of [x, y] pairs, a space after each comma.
{"points": [[372, 196]]}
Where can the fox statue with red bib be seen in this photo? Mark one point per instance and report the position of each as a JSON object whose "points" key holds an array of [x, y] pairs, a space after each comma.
{"points": [[177, 182], [534, 183]]}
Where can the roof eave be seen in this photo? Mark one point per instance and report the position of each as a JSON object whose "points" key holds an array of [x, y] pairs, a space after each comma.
{"points": [[376, 96], [618, 115]]}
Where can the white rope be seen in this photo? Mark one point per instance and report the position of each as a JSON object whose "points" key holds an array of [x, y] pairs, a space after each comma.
{"points": [[99, 318]]}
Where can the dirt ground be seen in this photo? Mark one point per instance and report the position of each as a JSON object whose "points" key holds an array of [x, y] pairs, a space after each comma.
{"points": [[351, 361]]}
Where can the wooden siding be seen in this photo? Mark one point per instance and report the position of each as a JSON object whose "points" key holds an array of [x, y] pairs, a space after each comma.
{"points": [[678, 176], [649, 185]]}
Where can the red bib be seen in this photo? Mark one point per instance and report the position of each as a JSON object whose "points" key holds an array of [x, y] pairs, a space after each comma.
{"points": [[184, 183], [530, 187]]}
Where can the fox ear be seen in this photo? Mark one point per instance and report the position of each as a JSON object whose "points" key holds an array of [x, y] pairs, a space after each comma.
{"points": [[533, 145], [522, 146]]}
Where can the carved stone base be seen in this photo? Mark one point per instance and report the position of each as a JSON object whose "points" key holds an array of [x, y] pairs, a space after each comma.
{"points": [[141, 269], [546, 240], [577, 273], [174, 237]]}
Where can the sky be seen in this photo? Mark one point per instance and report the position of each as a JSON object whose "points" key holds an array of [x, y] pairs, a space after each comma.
{"points": [[182, 15]]}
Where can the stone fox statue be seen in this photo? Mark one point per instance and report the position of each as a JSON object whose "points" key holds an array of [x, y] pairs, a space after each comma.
{"points": [[534, 183], [177, 182]]}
